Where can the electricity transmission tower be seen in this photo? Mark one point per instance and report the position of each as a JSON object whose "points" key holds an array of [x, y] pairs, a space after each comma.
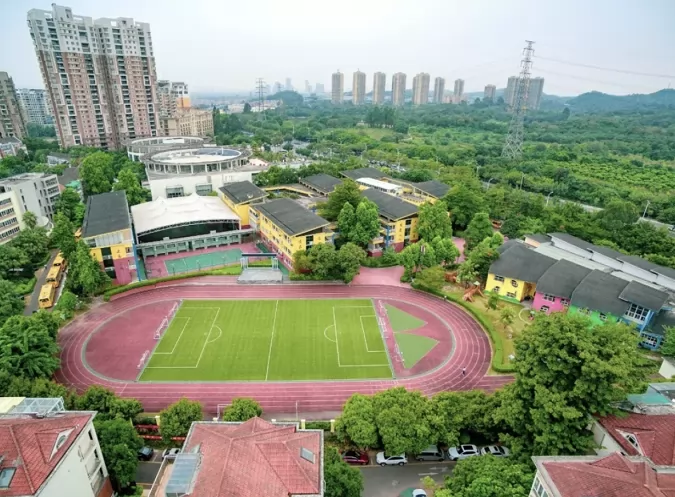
{"points": [[260, 89], [513, 146]]}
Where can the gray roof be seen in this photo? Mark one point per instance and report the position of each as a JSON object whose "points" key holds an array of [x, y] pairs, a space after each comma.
{"points": [[662, 321], [390, 206], [665, 271], [638, 262], [600, 291], [69, 175], [322, 182], [644, 296], [242, 191], [572, 240], [606, 251], [106, 213], [10, 139], [521, 263], [507, 245], [59, 155], [290, 216], [561, 279], [539, 237], [364, 172], [434, 188]]}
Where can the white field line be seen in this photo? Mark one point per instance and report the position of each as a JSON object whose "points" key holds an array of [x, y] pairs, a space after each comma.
{"points": [[206, 342], [220, 334], [269, 354], [363, 330], [179, 337], [324, 333], [337, 345]]}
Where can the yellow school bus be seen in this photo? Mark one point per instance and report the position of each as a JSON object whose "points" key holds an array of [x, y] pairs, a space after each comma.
{"points": [[47, 294], [54, 276], [59, 261]]}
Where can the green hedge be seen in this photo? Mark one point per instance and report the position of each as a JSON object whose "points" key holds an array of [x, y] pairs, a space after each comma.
{"points": [[318, 425], [228, 270], [495, 338], [25, 287]]}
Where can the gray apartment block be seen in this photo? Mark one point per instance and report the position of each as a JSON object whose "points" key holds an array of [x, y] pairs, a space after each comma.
{"points": [[35, 192]]}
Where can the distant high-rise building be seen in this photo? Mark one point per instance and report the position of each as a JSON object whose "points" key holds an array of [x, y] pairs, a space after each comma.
{"points": [[534, 92], [439, 90], [379, 87], [277, 87], [289, 85], [308, 87], [490, 92], [100, 76], [458, 91], [12, 123], [359, 88], [510, 92], [338, 87], [398, 88], [421, 88], [34, 105], [320, 89], [172, 96]]}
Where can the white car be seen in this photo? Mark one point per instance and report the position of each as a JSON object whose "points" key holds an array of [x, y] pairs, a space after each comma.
{"points": [[384, 460], [418, 492], [495, 450], [462, 452]]}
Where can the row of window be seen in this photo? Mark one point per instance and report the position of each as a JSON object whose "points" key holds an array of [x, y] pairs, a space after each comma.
{"points": [[9, 233], [514, 283]]}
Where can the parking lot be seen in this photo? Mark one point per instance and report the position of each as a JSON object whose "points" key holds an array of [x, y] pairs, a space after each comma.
{"points": [[147, 470], [389, 481]]}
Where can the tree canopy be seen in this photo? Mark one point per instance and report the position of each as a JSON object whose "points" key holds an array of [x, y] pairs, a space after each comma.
{"points": [[178, 417], [242, 409]]}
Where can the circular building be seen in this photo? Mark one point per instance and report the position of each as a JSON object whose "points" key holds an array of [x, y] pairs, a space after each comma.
{"points": [[136, 149]]}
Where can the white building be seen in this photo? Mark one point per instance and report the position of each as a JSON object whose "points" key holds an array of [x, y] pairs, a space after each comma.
{"points": [[50, 453], [10, 146], [36, 192], [35, 106], [11, 216]]}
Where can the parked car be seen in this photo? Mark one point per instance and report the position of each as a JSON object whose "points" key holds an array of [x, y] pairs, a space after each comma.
{"points": [[385, 460], [495, 450], [431, 453], [170, 453], [462, 452], [355, 457], [145, 453], [418, 492]]}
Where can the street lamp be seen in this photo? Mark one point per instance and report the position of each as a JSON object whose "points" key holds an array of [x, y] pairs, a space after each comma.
{"points": [[646, 207], [488, 183], [522, 178], [548, 197]]}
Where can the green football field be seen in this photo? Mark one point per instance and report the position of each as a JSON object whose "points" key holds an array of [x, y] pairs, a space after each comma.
{"points": [[270, 340]]}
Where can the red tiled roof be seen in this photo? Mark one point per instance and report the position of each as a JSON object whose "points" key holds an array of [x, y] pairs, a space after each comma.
{"points": [[655, 434], [254, 459], [27, 443], [611, 476]]}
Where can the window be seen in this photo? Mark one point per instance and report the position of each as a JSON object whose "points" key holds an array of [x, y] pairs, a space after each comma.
{"points": [[549, 298], [499, 278], [649, 341], [544, 308], [514, 283], [496, 289], [539, 489], [511, 294], [603, 316], [6, 476], [584, 310], [565, 302], [637, 313], [203, 190]]}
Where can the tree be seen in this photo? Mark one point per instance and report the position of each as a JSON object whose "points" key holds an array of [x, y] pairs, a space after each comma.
{"points": [[567, 370], [128, 181], [178, 417], [477, 264], [356, 424], [119, 446], [402, 420], [34, 388], [464, 202], [29, 220], [491, 302], [85, 276], [247, 108], [350, 257], [67, 305], [67, 204], [367, 223], [346, 221], [11, 258], [323, 260], [618, 214], [341, 480], [506, 316], [432, 278], [434, 221], [27, 348], [97, 173], [347, 191], [63, 235], [478, 230], [668, 346], [242, 409], [489, 476], [301, 262], [11, 304], [34, 243], [445, 250], [107, 404]]}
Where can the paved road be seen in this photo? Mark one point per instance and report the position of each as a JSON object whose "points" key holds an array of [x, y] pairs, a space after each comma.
{"points": [[41, 275], [389, 481], [147, 471]]}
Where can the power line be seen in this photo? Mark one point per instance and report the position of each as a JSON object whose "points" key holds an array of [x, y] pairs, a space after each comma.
{"points": [[513, 146], [591, 80], [623, 71]]}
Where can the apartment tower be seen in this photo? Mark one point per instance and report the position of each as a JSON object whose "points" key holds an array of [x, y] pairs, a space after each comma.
{"points": [[379, 85], [34, 104], [172, 96], [359, 88], [398, 89], [490, 92], [534, 92], [421, 88], [458, 91], [99, 75], [510, 92], [337, 87], [439, 90], [12, 123]]}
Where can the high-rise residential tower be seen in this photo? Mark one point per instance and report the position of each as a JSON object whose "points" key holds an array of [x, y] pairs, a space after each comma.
{"points": [[289, 85], [337, 87], [308, 87], [172, 96], [320, 89], [439, 90], [398, 89], [34, 104], [379, 85], [458, 91], [12, 123], [421, 88], [490, 92], [99, 75], [359, 88], [510, 92], [534, 92]]}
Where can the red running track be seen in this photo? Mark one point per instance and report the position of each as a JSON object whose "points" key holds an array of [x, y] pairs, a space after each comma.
{"points": [[471, 351]]}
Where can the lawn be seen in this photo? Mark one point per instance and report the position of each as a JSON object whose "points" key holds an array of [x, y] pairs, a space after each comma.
{"points": [[270, 340], [377, 133]]}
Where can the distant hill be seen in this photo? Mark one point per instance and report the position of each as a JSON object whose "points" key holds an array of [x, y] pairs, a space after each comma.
{"points": [[602, 102]]}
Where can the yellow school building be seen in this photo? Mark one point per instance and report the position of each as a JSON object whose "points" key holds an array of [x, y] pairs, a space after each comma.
{"points": [[515, 274], [239, 197], [398, 222]]}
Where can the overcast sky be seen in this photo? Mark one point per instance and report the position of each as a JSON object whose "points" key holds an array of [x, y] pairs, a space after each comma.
{"points": [[225, 44]]}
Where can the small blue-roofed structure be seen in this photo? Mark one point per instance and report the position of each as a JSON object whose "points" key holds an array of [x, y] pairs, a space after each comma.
{"points": [[184, 474]]}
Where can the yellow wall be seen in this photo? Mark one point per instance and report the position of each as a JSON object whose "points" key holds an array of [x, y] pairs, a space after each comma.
{"points": [[399, 230], [240, 210], [521, 289], [118, 251], [288, 244]]}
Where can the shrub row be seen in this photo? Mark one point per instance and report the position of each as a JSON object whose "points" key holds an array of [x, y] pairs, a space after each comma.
{"points": [[495, 338], [318, 425]]}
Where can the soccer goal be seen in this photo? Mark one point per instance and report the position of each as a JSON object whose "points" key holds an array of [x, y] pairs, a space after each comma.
{"points": [[165, 322], [144, 358]]}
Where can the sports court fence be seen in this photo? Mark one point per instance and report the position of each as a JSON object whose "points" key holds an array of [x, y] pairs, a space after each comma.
{"points": [[167, 320]]}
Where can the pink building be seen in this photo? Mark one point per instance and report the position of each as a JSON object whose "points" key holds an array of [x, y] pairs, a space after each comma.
{"points": [[555, 287]]}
